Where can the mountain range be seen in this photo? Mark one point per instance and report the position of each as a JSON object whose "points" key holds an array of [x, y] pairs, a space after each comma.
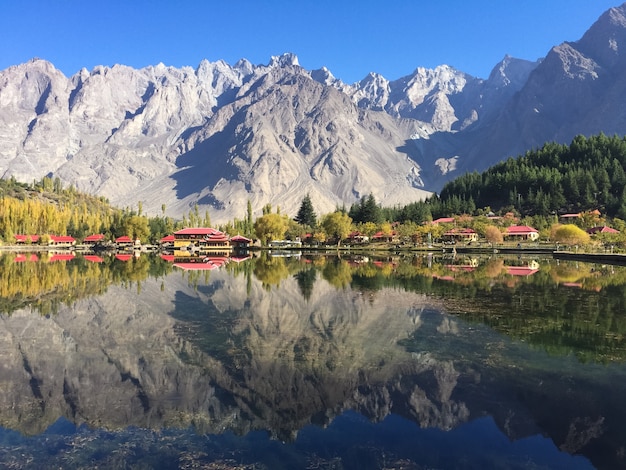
{"points": [[221, 135]]}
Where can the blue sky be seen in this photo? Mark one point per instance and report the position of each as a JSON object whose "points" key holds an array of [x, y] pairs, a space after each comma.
{"points": [[351, 38]]}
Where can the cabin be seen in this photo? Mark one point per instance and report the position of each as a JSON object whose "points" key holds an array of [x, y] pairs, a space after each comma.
{"points": [[62, 241], [521, 233], [26, 239], [460, 235], [603, 229], [239, 242], [201, 238], [93, 239], [357, 237]]}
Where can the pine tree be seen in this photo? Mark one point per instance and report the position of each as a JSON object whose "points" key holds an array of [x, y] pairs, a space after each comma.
{"points": [[306, 213]]}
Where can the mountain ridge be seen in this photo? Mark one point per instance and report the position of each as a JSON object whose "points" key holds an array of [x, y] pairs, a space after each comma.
{"points": [[219, 135]]}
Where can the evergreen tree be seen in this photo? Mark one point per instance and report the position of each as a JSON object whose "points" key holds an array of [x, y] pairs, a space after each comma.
{"points": [[306, 214]]}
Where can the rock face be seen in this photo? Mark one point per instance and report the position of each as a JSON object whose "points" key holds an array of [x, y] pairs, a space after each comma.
{"points": [[220, 135]]}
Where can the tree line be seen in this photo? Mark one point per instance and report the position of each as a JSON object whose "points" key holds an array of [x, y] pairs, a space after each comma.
{"points": [[536, 188]]}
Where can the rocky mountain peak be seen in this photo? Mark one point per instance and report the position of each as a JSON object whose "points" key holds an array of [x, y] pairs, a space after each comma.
{"points": [[218, 135]]}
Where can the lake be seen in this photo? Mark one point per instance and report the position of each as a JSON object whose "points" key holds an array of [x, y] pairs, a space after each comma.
{"points": [[291, 360]]}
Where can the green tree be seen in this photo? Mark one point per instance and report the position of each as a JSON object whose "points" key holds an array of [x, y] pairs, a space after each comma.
{"points": [[306, 214]]}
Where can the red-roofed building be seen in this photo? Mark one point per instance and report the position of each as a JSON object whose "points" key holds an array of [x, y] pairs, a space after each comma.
{"points": [[603, 229], [93, 239], [521, 232], [240, 242], [461, 235], [61, 240], [443, 220], [26, 239], [93, 258], [168, 239], [203, 238], [123, 256]]}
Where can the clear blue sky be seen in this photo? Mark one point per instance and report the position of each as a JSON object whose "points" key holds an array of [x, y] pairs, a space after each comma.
{"points": [[350, 37]]}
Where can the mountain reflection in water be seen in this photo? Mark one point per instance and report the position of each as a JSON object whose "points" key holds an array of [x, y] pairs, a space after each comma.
{"points": [[312, 362]]}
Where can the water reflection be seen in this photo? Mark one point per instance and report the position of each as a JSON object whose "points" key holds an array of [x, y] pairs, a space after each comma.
{"points": [[279, 344]]}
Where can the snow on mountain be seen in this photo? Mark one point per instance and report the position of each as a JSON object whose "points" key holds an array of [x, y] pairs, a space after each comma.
{"points": [[220, 135]]}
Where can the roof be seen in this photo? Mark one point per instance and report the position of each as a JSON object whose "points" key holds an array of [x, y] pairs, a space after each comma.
{"points": [[24, 238], [240, 239], [460, 231], [123, 239], [93, 258], [443, 220], [169, 258], [198, 231], [62, 239], [167, 238], [94, 238], [123, 257], [603, 229], [570, 216], [520, 229]]}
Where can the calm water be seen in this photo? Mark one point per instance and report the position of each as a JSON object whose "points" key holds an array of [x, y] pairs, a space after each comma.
{"points": [[311, 362]]}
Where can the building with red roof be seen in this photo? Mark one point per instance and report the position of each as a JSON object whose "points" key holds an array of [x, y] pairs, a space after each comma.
{"points": [[239, 242], [26, 239], [93, 239], [443, 220], [521, 232], [61, 240], [461, 235], [201, 238], [603, 229]]}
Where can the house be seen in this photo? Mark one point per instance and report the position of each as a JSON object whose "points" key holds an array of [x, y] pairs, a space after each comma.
{"points": [[168, 240], [358, 237], [239, 242], [93, 239], [521, 232], [384, 237], [603, 229], [460, 235], [201, 238], [443, 220], [61, 241], [126, 242], [23, 239]]}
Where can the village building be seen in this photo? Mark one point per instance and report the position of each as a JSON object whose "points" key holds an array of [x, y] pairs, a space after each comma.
{"points": [[239, 242], [602, 229], [201, 239], [93, 239], [521, 233], [62, 241], [460, 235], [24, 239]]}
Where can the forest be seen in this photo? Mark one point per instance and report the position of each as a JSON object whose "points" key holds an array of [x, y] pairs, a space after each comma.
{"points": [[556, 179]]}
